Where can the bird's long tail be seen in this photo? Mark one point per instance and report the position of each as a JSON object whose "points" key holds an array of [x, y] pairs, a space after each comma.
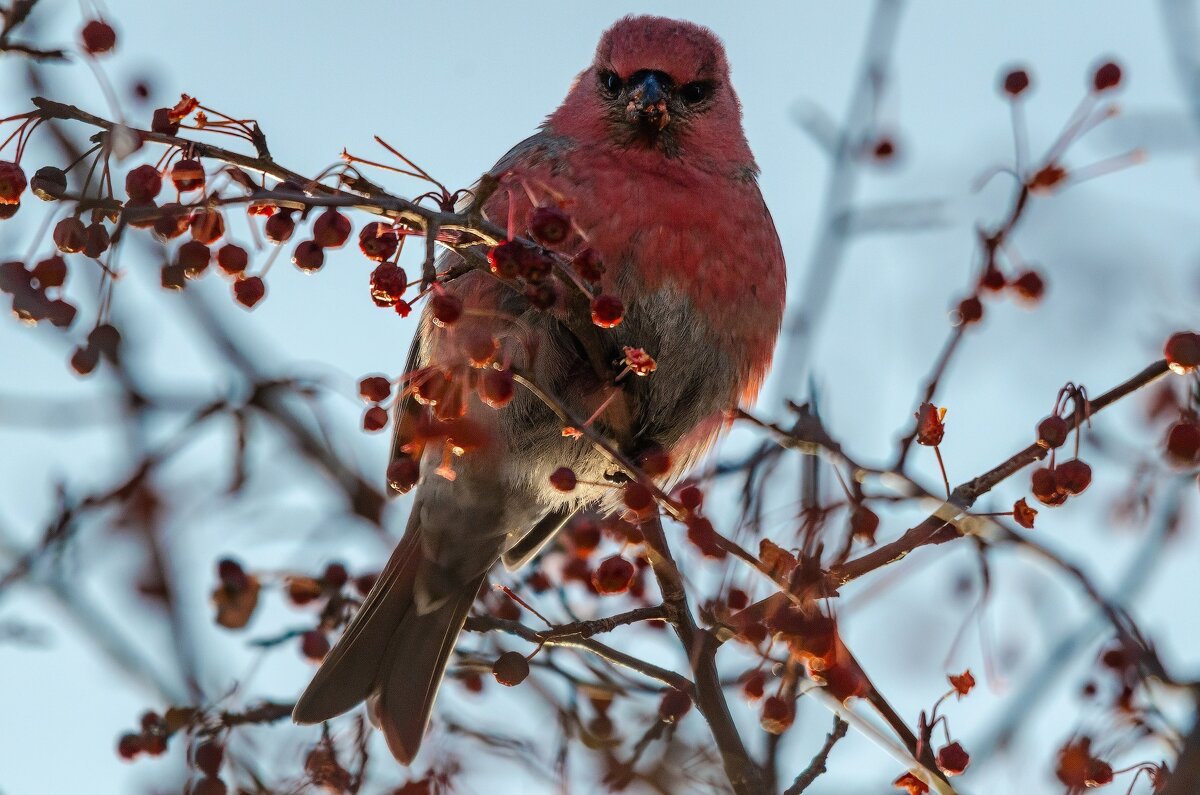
{"points": [[392, 655]]}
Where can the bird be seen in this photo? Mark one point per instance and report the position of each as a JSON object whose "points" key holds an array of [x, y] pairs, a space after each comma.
{"points": [[647, 158]]}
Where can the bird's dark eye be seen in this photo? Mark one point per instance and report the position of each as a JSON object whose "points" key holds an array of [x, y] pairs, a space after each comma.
{"points": [[610, 83], [697, 92]]}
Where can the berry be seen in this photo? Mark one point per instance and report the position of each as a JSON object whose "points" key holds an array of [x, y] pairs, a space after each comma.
{"points": [[1016, 82], [193, 257], [12, 183], [308, 256], [690, 497], [208, 226], [542, 295], [952, 759], [49, 183], [970, 310], [1052, 432], [992, 279], [1029, 286], [549, 225], [863, 523], [1023, 514], [446, 308], [388, 283], [777, 715], [98, 37], [60, 314], [163, 123], [637, 497], [173, 277], [331, 229], [8, 210], [480, 348], [607, 311], [535, 265], [232, 259], [505, 260], [130, 745], [209, 785], [654, 461], [249, 291], [143, 183], [375, 419], [378, 241], [1073, 476], [563, 479], [208, 757], [403, 473], [588, 265], [884, 149], [172, 221], [303, 590], [335, 575], [1044, 485], [613, 575], [674, 705], [231, 574], [187, 175], [510, 669], [314, 645], [50, 272], [375, 388], [279, 227], [96, 240], [1183, 443], [1182, 352], [106, 339], [754, 685], [496, 388], [1106, 76], [69, 235], [584, 536], [84, 360]]}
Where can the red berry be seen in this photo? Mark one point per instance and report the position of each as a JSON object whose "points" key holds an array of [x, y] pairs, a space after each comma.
{"points": [[863, 523], [480, 348], [777, 715], [231, 574], [1016, 82], [549, 225], [331, 229], [249, 291], [97, 240], [607, 311], [130, 745], [12, 183], [98, 37], [637, 497], [403, 473], [232, 259], [613, 575], [388, 283], [1182, 351], [970, 310], [690, 497], [308, 256], [1044, 485], [335, 575], [1073, 477], [314, 645], [375, 388], [279, 227], [584, 536], [563, 479], [446, 308], [1023, 514], [1030, 286], [505, 260], [674, 705], [1052, 432], [992, 279], [535, 264], [510, 669], [209, 785], [8, 210], [655, 461], [143, 183], [207, 226], [1106, 76], [375, 419], [542, 295], [378, 241], [754, 685], [193, 257], [1183, 443], [737, 598], [496, 388], [84, 360], [50, 272], [162, 122], [70, 236], [172, 221], [48, 183], [208, 756], [588, 265], [187, 175], [952, 759]]}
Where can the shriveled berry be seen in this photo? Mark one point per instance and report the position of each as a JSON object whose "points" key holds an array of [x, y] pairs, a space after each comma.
{"points": [[232, 259], [208, 757], [970, 310], [69, 235], [403, 473], [388, 283], [187, 175], [12, 183], [607, 311], [49, 183], [279, 227], [1182, 352], [331, 229], [378, 241], [613, 575], [777, 715], [172, 221], [375, 419], [1052, 432], [674, 705], [143, 183], [863, 523], [754, 685], [193, 257], [1106, 76], [446, 308], [549, 225], [50, 272], [249, 291], [303, 590], [496, 388], [375, 388], [1015, 82], [563, 479], [96, 240], [1023, 514], [314, 645], [952, 759], [510, 669], [308, 256], [98, 37], [1183, 443], [1073, 477], [208, 226], [1029, 286]]}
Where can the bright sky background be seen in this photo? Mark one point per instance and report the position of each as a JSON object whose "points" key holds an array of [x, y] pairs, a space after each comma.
{"points": [[454, 85]]}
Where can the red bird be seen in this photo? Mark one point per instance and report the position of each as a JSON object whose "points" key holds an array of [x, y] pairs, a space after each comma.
{"points": [[648, 159]]}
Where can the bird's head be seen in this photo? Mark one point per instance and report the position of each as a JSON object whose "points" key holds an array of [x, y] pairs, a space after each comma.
{"points": [[657, 84]]}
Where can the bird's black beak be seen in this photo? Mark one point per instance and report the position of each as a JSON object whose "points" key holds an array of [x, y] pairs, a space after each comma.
{"points": [[648, 102]]}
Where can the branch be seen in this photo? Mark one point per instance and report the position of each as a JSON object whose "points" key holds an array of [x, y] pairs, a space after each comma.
{"points": [[817, 766]]}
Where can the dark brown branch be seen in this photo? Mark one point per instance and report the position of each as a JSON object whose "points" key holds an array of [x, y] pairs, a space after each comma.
{"points": [[817, 766]]}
